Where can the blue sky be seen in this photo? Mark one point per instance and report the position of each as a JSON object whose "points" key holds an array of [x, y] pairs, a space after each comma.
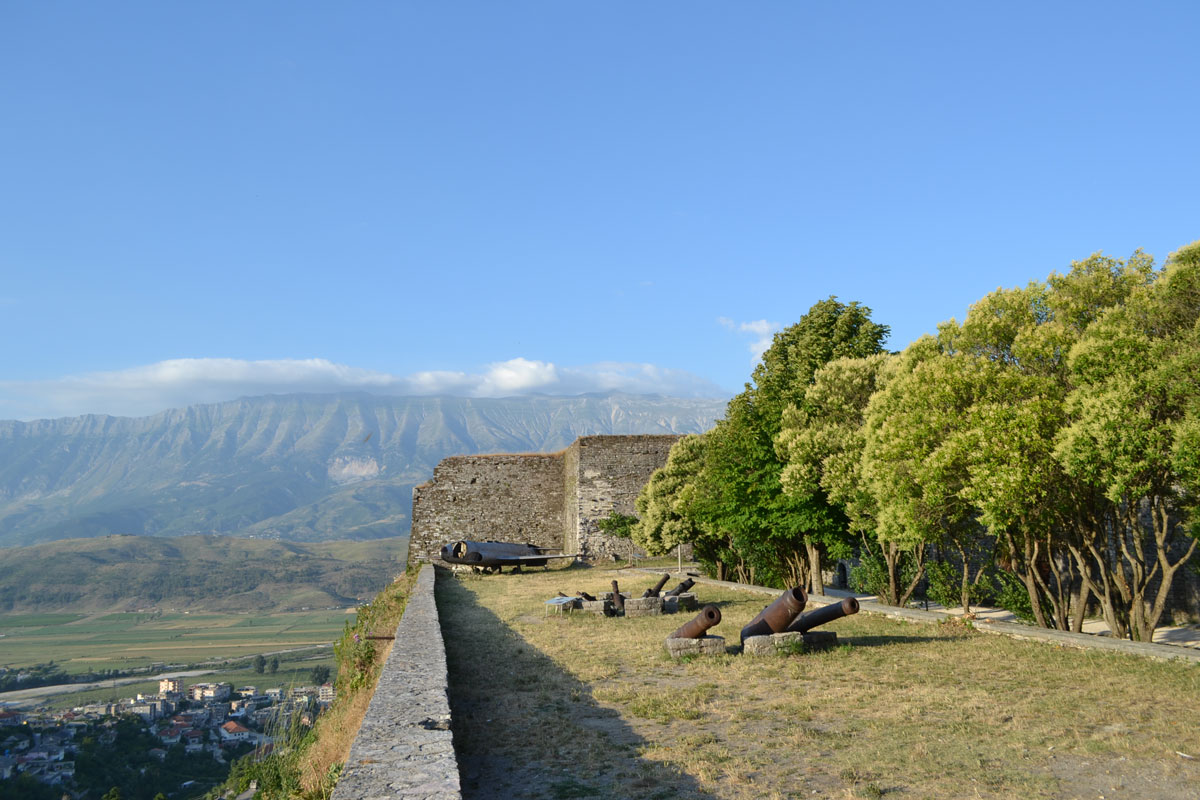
{"points": [[200, 201]]}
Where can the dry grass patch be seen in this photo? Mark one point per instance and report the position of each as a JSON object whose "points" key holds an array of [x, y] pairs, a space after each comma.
{"points": [[898, 710]]}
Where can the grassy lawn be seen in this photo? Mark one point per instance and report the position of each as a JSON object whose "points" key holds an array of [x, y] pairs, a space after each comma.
{"points": [[128, 640], [583, 706]]}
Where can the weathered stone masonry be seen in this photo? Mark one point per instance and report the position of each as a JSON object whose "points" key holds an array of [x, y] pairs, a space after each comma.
{"points": [[608, 473], [404, 749], [549, 500], [514, 498]]}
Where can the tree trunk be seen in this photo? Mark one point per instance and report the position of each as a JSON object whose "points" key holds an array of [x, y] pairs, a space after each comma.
{"points": [[814, 567], [965, 589], [1079, 601], [891, 557], [918, 556]]}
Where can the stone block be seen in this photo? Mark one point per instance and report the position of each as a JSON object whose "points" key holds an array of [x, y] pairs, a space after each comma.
{"points": [[776, 642], [704, 646], [643, 607], [680, 602], [593, 606]]}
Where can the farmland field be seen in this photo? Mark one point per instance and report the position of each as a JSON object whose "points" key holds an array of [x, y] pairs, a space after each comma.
{"points": [[123, 641]]}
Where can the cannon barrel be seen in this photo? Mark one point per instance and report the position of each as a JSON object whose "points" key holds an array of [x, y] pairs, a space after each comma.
{"points": [[819, 616], [683, 586], [617, 600], [656, 588], [708, 617], [587, 596], [776, 617]]}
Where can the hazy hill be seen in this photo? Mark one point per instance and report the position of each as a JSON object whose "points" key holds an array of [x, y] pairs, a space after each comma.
{"points": [[296, 467], [215, 573]]}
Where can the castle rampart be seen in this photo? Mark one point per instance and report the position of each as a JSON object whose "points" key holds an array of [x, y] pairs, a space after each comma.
{"points": [[551, 500]]}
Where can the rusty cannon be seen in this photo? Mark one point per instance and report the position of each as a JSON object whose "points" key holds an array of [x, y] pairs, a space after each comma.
{"points": [[776, 617], [656, 588], [618, 601], [709, 617], [819, 616], [684, 585]]}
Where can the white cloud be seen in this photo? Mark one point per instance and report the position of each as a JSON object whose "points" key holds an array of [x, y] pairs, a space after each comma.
{"points": [[517, 376], [763, 331], [148, 389]]}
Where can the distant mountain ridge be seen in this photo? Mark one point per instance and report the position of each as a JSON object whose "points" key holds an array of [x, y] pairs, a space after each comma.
{"points": [[302, 467]]}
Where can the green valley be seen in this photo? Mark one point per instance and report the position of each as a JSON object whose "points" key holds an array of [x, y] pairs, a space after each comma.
{"points": [[193, 573]]}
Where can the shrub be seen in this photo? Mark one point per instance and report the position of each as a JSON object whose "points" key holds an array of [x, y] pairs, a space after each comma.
{"points": [[1012, 595], [945, 585]]}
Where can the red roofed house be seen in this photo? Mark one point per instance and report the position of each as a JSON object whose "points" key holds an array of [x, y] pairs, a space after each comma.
{"points": [[233, 732]]}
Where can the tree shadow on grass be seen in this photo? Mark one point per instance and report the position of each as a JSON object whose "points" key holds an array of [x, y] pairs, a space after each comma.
{"points": [[524, 728], [881, 641]]}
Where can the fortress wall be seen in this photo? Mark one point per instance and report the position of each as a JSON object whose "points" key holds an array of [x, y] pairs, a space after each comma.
{"points": [[513, 498], [404, 748], [570, 513], [608, 474], [549, 500]]}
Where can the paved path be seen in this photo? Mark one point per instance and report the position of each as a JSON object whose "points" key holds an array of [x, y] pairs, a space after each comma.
{"points": [[1171, 643]]}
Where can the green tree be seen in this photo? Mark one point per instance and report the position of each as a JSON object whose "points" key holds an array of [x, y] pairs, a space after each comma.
{"points": [[1133, 435], [782, 537], [666, 511], [910, 467], [617, 524], [1020, 339], [821, 443], [273, 666], [320, 674], [260, 663]]}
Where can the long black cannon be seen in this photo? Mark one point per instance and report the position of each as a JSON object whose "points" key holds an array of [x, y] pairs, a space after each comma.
{"points": [[819, 616], [618, 601], [656, 588], [683, 586], [776, 617]]}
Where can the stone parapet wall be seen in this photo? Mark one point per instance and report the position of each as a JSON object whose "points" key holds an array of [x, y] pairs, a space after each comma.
{"points": [[404, 748], [509, 498]]}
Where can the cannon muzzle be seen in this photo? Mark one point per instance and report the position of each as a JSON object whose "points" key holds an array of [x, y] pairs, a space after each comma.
{"points": [[819, 616], [587, 597], [776, 617], [683, 586], [656, 588], [708, 617], [617, 600]]}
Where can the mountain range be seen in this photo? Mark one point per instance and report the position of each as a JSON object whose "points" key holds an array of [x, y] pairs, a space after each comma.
{"points": [[302, 467]]}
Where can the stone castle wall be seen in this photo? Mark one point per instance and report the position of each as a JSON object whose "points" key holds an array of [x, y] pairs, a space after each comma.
{"points": [[549, 500], [609, 473], [511, 498]]}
